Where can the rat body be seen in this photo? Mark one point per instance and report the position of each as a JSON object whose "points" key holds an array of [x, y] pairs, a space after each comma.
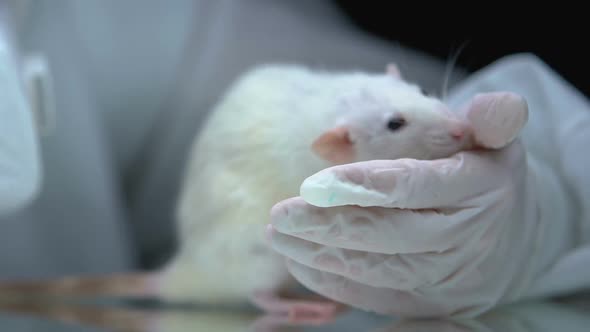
{"points": [[276, 126]]}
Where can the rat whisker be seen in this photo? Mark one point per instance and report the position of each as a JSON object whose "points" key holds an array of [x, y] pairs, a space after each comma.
{"points": [[449, 70]]}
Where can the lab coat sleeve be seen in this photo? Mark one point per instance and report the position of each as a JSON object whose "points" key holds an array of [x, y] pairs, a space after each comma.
{"points": [[19, 157], [558, 135]]}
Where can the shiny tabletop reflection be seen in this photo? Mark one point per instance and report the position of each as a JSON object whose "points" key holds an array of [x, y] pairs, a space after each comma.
{"points": [[19, 315]]}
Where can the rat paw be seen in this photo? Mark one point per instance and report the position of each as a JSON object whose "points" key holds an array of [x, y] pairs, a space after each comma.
{"points": [[313, 312], [497, 118], [298, 311]]}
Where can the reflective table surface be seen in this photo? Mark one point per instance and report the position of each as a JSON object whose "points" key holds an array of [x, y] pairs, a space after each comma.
{"points": [[564, 315]]}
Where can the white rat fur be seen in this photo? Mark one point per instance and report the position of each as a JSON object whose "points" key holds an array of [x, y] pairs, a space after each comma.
{"points": [[256, 149]]}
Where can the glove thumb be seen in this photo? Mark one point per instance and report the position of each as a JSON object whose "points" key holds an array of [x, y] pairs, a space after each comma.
{"points": [[497, 118]]}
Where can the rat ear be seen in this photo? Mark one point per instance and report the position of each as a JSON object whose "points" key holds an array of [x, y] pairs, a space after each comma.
{"points": [[334, 146], [393, 70]]}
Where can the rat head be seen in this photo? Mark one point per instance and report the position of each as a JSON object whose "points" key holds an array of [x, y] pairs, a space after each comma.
{"points": [[384, 117]]}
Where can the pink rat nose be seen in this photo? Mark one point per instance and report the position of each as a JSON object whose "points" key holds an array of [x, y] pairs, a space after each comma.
{"points": [[458, 130], [458, 134]]}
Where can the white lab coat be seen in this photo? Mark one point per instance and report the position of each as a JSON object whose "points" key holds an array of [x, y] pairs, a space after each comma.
{"points": [[19, 147], [557, 134], [132, 81]]}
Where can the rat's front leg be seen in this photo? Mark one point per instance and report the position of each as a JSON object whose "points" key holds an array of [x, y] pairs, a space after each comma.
{"points": [[311, 309]]}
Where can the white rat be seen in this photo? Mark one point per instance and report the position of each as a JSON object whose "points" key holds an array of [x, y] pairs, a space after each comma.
{"points": [[276, 126]]}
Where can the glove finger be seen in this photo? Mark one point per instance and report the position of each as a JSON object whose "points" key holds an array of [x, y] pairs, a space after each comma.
{"points": [[380, 300], [401, 272], [376, 229], [413, 184]]}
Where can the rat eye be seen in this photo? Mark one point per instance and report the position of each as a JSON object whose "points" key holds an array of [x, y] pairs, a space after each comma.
{"points": [[396, 124], [424, 92]]}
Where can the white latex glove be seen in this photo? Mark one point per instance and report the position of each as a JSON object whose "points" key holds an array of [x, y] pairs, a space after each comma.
{"points": [[454, 236]]}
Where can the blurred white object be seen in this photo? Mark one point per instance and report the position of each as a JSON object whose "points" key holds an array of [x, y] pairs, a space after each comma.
{"points": [[20, 169], [455, 236]]}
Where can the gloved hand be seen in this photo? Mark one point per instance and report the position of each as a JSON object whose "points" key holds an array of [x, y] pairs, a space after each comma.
{"points": [[453, 236]]}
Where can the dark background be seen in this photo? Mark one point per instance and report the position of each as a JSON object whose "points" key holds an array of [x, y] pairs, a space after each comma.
{"points": [[559, 38]]}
